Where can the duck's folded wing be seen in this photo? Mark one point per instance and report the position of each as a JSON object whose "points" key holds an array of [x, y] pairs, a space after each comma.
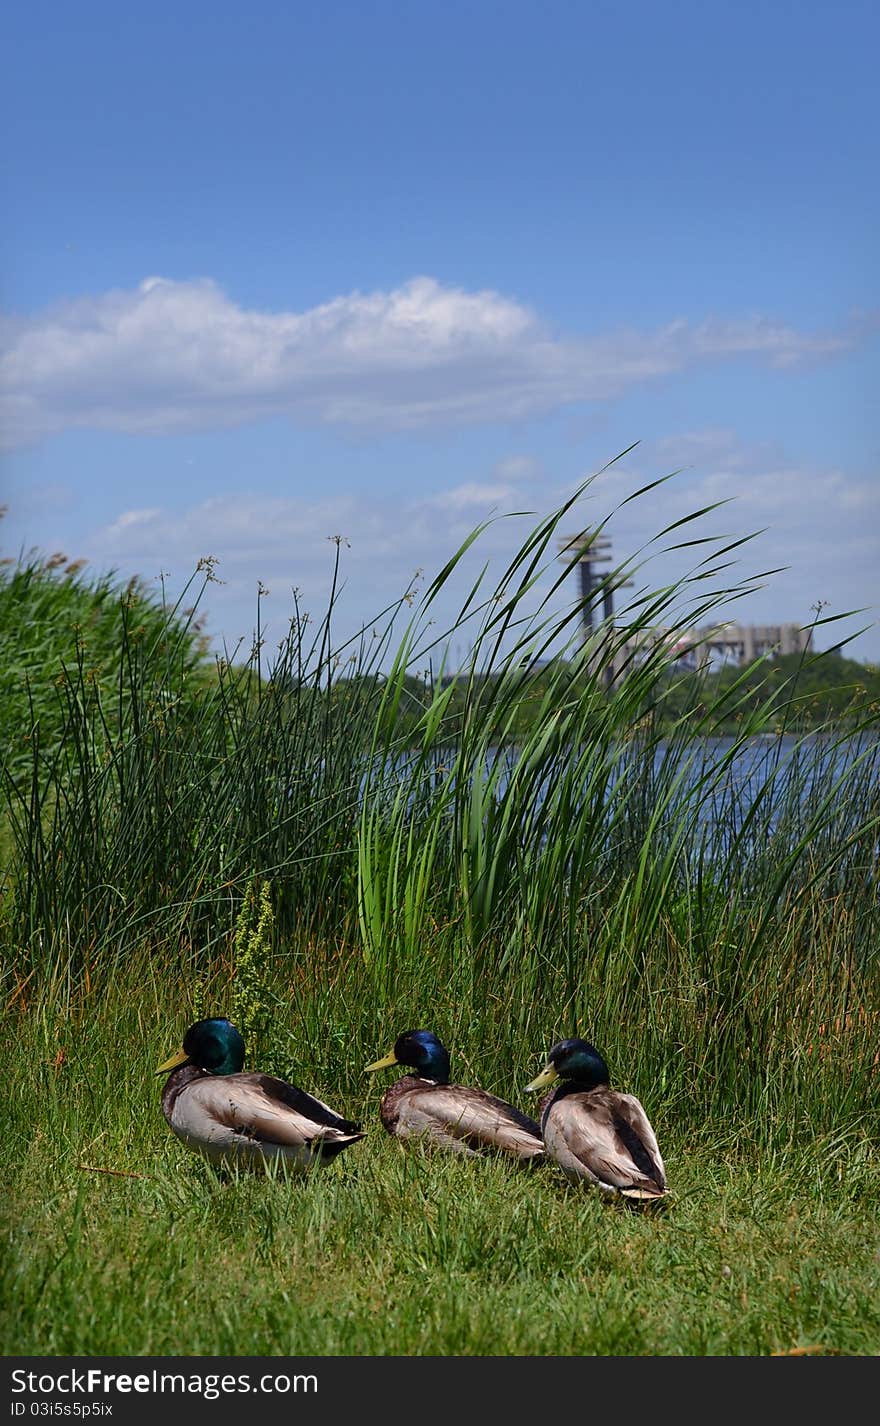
{"points": [[472, 1118], [303, 1103], [613, 1138], [220, 1106]]}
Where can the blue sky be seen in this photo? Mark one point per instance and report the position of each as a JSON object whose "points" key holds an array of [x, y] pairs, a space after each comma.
{"points": [[279, 272]]}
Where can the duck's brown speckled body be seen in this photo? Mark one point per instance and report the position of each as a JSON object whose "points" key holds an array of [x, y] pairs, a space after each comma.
{"points": [[596, 1133], [459, 1117], [247, 1119]]}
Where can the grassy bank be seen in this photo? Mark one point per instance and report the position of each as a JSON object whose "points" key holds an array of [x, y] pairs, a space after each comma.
{"points": [[116, 1240]]}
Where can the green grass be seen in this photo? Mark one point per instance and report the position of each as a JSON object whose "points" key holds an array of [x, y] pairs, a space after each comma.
{"points": [[394, 1250]]}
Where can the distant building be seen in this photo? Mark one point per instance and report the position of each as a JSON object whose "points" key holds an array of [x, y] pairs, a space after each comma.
{"points": [[715, 645], [711, 646]]}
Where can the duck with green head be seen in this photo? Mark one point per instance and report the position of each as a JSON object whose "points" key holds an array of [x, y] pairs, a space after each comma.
{"points": [[249, 1119], [450, 1116], [593, 1131]]}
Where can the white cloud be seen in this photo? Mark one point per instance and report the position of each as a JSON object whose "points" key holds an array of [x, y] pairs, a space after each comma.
{"points": [[181, 356], [519, 469], [131, 519], [470, 496]]}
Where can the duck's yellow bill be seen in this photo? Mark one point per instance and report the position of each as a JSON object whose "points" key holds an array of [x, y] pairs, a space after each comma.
{"points": [[389, 1060], [180, 1057], [547, 1076]]}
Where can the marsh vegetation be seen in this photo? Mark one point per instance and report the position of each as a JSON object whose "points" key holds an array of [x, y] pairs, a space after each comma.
{"points": [[512, 855]]}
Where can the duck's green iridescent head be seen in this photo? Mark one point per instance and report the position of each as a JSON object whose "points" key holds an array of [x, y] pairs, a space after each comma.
{"points": [[575, 1060], [214, 1045], [422, 1050]]}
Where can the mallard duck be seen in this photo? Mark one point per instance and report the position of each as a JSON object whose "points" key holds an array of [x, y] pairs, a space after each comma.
{"points": [[246, 1119], [593, 1131], [451, 1116]]}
